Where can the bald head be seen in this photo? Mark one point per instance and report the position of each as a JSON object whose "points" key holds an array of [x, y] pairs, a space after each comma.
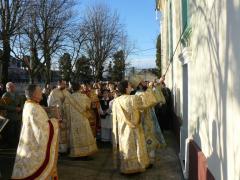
{"points": [[10, 87]]}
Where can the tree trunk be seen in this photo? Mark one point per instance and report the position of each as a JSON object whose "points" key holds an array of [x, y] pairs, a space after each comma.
{"points": [[99, 72], [48, 70], [5, 60], [47, 58], [31, 77]]}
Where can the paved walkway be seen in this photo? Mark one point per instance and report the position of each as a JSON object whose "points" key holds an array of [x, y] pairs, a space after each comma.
{"points": [[7, 157], [167, 166]]}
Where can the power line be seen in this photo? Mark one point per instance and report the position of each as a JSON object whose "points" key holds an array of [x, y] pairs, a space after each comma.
{"points": [[143, 50]]}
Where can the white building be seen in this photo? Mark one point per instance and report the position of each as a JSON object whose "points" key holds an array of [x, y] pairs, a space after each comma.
{"points": [[203, 36]]}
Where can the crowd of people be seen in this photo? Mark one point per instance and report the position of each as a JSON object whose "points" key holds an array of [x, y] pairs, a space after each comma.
{"points": [[70, 118]]}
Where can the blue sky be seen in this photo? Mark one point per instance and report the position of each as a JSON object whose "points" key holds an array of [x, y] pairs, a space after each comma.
{"points": [[141, 25]]}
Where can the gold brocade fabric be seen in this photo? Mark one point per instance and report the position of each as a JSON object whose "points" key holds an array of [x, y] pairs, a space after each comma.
{"points": [[2, 112], [58, 98], [128, 136], [129, 143], [93, 114], [82, 141], [35, 141], [151, 141], [92, 120], [93, 96]]}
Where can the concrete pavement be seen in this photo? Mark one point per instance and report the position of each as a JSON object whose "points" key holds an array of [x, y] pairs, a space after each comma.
{"points": [[167, 166]]}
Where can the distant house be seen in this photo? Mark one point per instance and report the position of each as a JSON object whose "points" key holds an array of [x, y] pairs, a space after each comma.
{"points": [[18, 73], [146, 74], [203, 38], [55, 75]]}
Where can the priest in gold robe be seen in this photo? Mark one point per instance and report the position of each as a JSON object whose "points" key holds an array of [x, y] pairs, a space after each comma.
{"points": [[128, 135], [58, 98], [153, 139], [82, 141], [93, 112], [37, 150], [94, 116]]}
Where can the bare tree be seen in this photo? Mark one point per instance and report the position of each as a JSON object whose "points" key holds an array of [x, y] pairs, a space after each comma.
{"points": [[104, 36], [46, 24], [75, 40], [53, 20], [26, 46], [127, 48], [11, 18]]}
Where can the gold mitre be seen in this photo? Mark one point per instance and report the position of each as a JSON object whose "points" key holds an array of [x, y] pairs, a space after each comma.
{"points": [[135, 80]]}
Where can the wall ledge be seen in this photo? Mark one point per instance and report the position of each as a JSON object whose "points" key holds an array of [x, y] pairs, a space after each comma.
{"points": [[185, 56]]}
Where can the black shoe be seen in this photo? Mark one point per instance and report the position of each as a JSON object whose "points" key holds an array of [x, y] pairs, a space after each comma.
{"points": [[150, 166], [87, 158], [62, 154]]}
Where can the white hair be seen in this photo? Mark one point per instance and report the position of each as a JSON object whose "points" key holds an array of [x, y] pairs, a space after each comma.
{"points": [[9, 84]]}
